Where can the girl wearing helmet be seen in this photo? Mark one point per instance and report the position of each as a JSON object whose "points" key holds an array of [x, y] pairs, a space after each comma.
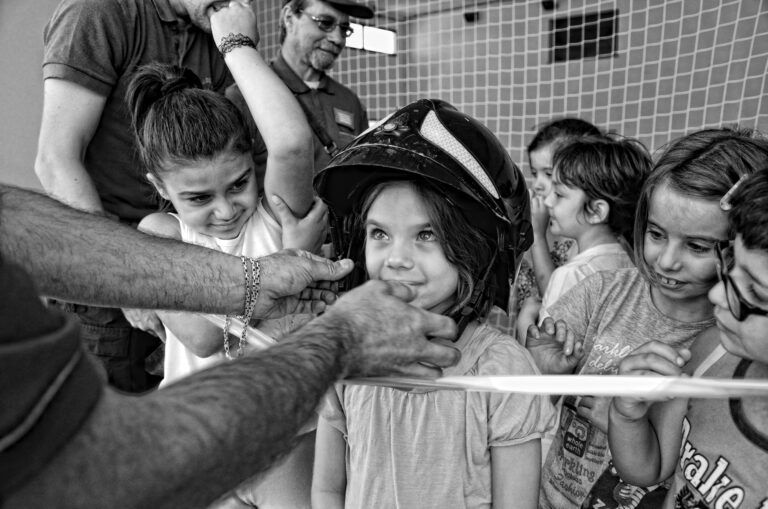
{"points": [[430, 198]]}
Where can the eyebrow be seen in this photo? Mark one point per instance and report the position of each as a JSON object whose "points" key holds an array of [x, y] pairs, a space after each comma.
{"points": [[712, 240], [186, 194]]}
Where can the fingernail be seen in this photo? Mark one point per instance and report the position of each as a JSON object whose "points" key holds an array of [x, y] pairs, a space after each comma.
{"points": [[275, 199]]}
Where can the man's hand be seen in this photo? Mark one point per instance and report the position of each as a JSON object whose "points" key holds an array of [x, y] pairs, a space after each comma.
{"points": [[386, 335], [146, 320], [651, 359], [295, 281], [554, 347]]}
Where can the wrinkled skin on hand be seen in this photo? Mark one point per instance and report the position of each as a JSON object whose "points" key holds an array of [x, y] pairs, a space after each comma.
{"points": [[386, 335], [296, 281]]}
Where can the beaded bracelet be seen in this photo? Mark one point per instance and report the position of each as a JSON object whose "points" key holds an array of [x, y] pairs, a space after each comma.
{"points": [[232, 41], [252, 287]]}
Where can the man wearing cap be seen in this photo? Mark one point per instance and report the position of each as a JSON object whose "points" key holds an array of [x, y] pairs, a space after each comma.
{"points": [[313, 34]]}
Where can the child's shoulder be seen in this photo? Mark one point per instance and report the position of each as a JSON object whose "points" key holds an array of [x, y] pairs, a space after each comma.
{"points": [[501, 354], [161, 224]]}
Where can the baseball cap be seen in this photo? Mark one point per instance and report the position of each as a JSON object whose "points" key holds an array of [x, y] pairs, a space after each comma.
{"points": [[348, 7]]}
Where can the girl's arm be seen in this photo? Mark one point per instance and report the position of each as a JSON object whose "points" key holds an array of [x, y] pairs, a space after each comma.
{"points": [[329, 478], [645, 437], [540, 257], [278, 116], [199, 336], [515, 483]]}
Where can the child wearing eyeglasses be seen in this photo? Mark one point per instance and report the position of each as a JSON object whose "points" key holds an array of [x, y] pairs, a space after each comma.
{"points": [[716, 448], [605, 317]]}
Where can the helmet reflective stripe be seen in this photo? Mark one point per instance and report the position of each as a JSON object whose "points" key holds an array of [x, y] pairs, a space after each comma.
{"points": [[434, 131]]}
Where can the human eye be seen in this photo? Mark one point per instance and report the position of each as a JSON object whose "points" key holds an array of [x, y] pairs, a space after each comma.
{"points": [[654, 233], [199, 199], [427, 236], [240, 185], [376, 233], [700, 247]]}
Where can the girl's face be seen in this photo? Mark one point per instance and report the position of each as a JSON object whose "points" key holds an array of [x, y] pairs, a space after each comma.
{"points": [[565, 205], [215, 197], [540, 161], [400, 245], [680, 239], [746, 339]]}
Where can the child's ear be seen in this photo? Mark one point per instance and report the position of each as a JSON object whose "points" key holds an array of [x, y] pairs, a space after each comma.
{"points": [[158, 186], [598, 211]]}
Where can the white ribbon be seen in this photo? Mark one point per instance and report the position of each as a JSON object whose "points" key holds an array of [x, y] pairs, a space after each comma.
{"points": [[648, 387]]}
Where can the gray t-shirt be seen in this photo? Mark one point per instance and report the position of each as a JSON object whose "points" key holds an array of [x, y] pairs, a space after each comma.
{"points": [[612, 313]]}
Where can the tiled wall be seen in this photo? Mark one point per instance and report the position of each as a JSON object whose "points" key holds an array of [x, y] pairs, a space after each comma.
{"points": [[681, 65]]}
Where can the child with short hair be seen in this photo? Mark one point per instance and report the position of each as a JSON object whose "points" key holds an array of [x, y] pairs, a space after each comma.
{"points": [[678, 224], [196, 149], [431, 199], [596, 183], [717, 449], [548, 251]]}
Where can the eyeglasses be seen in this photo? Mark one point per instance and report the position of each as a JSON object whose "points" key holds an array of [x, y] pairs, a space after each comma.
{"points": [[740, 309], [328, 24]]}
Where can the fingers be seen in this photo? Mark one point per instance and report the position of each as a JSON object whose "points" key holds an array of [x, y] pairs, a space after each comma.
{"points": [[439, 356], [399, 290], [284, 214], [322, 269], [655, 358]]}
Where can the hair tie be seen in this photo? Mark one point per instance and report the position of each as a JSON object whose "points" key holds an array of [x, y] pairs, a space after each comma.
{"points": [[174, 85]]}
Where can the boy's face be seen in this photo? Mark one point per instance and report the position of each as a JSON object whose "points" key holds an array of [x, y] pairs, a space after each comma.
{"points": [[565, 205], [401, 245], [540, 161], [748, 338]]}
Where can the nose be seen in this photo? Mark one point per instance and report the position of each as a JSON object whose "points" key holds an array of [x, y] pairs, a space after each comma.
{"points": [[549, 199], [540, 185], [224, 209], [717, 295], [400, 256], [669, 257], [336, 36]]}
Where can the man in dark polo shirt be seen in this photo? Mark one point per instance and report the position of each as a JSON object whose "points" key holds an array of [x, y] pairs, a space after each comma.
{"points": [[313, 34], [86, 155]]}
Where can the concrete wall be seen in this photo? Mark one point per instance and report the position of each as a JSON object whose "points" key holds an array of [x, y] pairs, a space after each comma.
{"points": [[21, 100]]}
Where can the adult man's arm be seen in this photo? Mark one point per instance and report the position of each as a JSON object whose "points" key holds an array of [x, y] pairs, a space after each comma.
{"points": [[185, 445], [87, 258], [71, 114]]}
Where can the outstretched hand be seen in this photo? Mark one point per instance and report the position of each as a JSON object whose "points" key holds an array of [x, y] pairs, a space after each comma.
{"points": [[296, 281], [553, 347], [386, 335], [650, 359]]}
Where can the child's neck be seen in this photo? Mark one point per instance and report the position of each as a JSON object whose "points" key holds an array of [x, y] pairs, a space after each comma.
{"points": [[595, 236]]}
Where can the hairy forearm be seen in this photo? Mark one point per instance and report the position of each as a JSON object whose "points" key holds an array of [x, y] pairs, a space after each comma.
{"points": [[185, 445], [83, 257]]}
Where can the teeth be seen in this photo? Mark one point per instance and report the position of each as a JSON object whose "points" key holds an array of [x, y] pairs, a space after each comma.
{"points": [[669, 282]]}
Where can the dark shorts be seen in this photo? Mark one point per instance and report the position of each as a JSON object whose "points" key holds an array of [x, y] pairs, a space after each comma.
{"points": [[120, 348]]}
